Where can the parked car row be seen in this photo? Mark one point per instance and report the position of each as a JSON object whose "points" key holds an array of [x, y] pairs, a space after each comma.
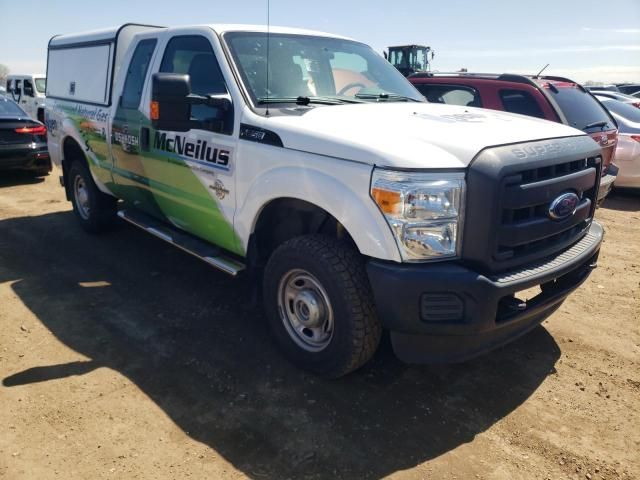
{"points": [[621, 97], [626, 88], [596, 112]]}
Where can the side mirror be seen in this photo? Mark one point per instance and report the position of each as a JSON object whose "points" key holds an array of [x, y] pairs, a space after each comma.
{"points": [[170, 108], [171, 101]]}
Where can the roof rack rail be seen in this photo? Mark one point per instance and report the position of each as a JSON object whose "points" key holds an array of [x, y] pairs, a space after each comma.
{"points": [[516, 78]]}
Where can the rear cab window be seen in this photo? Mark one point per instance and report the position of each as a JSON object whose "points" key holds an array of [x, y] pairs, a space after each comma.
{"points": [[450, 94]]}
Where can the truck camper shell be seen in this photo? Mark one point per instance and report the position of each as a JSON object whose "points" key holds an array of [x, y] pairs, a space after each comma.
{"points": [[81, 67]]}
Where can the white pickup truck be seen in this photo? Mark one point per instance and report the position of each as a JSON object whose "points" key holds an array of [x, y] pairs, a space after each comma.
{"points": [[27, 90], [307, 161]]}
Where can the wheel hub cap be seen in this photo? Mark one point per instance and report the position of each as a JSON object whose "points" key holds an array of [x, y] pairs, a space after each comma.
{"points": [[305, 310]]}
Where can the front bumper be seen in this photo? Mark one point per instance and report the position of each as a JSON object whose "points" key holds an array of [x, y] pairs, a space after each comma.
{"points": [[27, 157], [446, 312], [606, 183]]}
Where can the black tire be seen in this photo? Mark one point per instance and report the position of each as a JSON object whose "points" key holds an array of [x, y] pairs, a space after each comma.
{"points": [[102, 208], [339, 270]]}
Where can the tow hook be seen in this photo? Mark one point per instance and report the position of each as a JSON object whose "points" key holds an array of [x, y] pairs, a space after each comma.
{"points": [[513, 304], [593, 265]]}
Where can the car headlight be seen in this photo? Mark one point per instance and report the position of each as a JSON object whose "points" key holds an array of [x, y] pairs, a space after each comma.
{"points": [[424, 211]]}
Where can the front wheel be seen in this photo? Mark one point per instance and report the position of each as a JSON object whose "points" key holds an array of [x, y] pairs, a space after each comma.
{"points": [[95, 210], [319, 305]]}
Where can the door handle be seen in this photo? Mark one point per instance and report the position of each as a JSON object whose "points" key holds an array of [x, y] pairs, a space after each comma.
{"points": [[144, 138]]}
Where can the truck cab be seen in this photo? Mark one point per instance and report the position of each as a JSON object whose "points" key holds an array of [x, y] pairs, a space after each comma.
{"points": [[28, 91], [306, 161], [410, 59]]}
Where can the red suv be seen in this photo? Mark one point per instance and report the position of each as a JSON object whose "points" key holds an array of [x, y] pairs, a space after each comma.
{"points": [[552, 98]]}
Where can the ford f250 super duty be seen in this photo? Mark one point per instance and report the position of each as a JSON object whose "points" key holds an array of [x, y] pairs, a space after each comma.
{"points": [[307, 161]]}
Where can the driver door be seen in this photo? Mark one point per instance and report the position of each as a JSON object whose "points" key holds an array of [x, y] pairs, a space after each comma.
{"points": [[186, 178]]}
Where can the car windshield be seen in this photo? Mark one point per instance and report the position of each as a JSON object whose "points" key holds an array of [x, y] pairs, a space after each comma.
{"points": [[9, 108], [309, 69], [581, 109], [41, 84], [625, 110]]}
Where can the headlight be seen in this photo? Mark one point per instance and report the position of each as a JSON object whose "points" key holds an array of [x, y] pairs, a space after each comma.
{"points": [[424, 211]]}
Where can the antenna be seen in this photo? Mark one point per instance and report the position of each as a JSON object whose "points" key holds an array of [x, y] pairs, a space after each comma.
{"points": [[268, 37], [543, 69]]}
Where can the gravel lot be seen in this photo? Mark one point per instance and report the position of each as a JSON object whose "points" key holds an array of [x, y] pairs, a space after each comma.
{"points": [[122, 357]]}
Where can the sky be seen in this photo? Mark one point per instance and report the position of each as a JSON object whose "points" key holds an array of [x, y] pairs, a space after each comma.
{"points": [[585, 40]]}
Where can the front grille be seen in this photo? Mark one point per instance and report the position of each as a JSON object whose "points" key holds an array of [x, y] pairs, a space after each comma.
{"points": [[526, 228], [509, 194]]}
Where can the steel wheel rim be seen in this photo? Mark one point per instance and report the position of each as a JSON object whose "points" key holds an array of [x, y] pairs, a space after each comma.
{"points": [[81, 195], [305, 310]]}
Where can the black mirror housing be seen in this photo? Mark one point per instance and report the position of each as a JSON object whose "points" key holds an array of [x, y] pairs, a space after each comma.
{"points": [[172, 110], [171, 101]]}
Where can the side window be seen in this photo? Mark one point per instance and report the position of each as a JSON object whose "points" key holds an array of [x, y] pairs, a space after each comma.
{"points": [[28, 87], [9, 86], [522, 102], [451, 94], [137, 73], [194, 56]]}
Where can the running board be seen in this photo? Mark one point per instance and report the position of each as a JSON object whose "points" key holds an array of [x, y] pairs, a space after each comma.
{"points": [[198, 248]]}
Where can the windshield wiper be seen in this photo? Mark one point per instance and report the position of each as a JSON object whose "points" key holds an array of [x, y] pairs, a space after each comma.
{"points": [[385, 96], [306, 100], [600, 124]]}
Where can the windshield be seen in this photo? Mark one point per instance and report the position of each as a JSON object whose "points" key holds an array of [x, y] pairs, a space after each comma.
{"points": [[308, 67], [9, 108], [41, 84], [581, 109]]}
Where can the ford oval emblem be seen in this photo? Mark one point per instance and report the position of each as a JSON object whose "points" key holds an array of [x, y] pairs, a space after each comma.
{"points": [[564, 206]]}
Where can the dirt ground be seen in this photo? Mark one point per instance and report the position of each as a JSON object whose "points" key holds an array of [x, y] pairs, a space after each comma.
{"points": [[122, 357]]}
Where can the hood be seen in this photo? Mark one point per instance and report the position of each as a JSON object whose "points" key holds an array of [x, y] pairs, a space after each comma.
{"points": [[408, 135]]}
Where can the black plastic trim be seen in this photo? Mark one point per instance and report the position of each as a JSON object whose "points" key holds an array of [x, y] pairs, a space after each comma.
{"points": [[485, 323], [252, 133]]}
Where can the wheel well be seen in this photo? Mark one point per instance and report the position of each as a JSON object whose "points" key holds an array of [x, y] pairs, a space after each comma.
{"points": [[285, 218], [71, 152]]}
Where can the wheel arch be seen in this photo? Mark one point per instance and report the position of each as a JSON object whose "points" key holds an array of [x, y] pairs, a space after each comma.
{"points": [[71, 152], [319, 202]]}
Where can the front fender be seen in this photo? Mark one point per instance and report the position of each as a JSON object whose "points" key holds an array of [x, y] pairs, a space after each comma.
{"points": [[343, 193]]}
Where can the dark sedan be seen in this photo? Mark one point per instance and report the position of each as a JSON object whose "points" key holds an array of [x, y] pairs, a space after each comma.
{"points": [[23, 141]]}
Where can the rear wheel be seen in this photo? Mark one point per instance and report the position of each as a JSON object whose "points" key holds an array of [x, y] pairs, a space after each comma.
{"points": [[319, 305], [95, 210]]}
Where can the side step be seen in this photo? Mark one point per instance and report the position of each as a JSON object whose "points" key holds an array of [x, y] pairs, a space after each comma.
{"points": [[198, 248]]}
